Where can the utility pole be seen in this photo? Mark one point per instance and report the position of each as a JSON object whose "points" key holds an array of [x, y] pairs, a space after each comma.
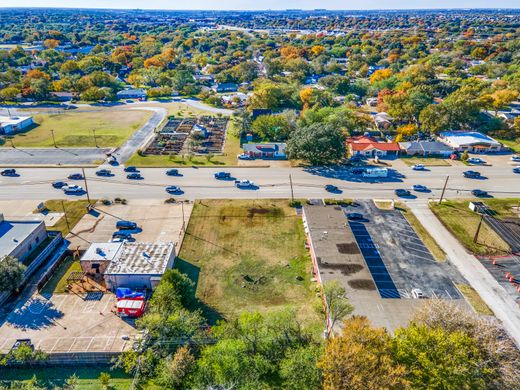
{"points": [[53, 139], [86, 185], [65, 215], [478, 228], [95, 139], [292, 191], [12, 143], [444, 189]]}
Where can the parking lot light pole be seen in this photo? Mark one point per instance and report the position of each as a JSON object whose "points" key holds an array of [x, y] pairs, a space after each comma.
{"points": [[53, 139]]}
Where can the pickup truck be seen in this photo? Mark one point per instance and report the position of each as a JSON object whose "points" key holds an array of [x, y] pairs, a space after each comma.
{"points": [[222, 175], [73, 189], [76, 176]]}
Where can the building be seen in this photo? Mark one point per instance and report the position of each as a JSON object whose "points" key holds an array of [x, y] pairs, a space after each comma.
{"points": [[472, 141], [383, 121], [20, 238], [132, 94], [368, 146], [13, 124], [225, 87], [129, 264], [63, 96], [266, 150], [425, 148]]}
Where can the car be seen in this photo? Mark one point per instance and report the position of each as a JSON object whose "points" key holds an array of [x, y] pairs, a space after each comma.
{"points": [[104, 172], [471, 174], [73, 189], [222, 175], [122, 235], [418, 167], [418, 294], [515, 158], [131, 169], [357, 171], [173, 190], [244, 156], [402, 192], [419, 188], [244, 184], [479, 193], [126, 225], [332, 188], [516, 170], [355, 216], [356, 159], [59, 184], [9, 172], [173, 172], [75, 176], [476, 160], [134, 176]]}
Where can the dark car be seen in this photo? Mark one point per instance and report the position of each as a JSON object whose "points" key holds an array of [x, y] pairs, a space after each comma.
{"points": [[104, 172], [516, 170], [355, 216], [471, 174], [59, 184], [9, 172], [134, 176], [420, 188], [357, 171], [76, 176], [480, 193], [126, 225], [173, 172], [222, 175], [131, 169], [174, 190], [122, 235], [332, 188], [402, 192]]}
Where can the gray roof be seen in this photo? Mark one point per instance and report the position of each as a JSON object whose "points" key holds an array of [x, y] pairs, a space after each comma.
{"points": [[13, 233], [425, 146], [141, 258]]}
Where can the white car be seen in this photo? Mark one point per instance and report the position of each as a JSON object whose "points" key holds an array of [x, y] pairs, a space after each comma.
{"points": [[476, 160], [515, 158], [244, 183], [418, 167], [418, 294], [73, 189], [244, 156]]}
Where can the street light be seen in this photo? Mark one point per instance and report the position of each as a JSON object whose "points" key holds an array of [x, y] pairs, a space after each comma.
{"points": [[53, 139], [95, 139]]}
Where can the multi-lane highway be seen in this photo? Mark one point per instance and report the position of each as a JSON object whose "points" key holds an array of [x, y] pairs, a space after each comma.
{"points": [[35, 183]]}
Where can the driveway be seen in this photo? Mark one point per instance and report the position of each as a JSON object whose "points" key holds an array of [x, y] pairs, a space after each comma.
{"points": [[495, 296]]}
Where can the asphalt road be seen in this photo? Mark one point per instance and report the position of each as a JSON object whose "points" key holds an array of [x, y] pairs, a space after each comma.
{"points": [[51, 156], [198, 183]]}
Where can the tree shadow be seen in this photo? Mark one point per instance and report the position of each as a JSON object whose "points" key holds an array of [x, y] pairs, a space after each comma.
{"points": [[346, 174], [36, 313]]}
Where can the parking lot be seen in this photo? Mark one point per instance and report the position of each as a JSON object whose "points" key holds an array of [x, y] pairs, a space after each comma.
{"points": [[501, 267], [157, 221], [397, 258], [68, 323]]}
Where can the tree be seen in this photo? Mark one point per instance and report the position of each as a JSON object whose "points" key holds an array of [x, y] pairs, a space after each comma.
{"points": [[71, 383], [380, 75], [361, 358], [242, 122], [9, 94], [299, 369], [173, 371], [317, 144], [336, 303], [271, 128], [11, 273], [104, 378]]}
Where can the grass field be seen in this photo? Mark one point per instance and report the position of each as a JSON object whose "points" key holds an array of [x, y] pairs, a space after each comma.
{"points": [[513, 145], [75, 210], [248, 255], [229, 157], [427, 239], [57, 284], [51, 377], [427, 161], [462, 222], [474, 299], [75, 129]]}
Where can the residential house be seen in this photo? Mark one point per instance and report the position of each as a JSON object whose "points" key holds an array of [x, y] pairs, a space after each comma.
{"points": [[138, 93], [225, 87], [383, 120], [425, 148], [368, 146], [472, 141], [275, 150]]}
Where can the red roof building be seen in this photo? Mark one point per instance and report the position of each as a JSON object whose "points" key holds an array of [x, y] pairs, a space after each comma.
{"points": [[367, 146]]}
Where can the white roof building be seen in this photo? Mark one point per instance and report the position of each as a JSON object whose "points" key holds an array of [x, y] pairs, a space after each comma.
{"points": [[11, 124], [472, 141]]}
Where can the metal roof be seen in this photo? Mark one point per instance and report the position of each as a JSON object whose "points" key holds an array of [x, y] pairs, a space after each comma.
{"points": [[14, 233], [141, 258]]}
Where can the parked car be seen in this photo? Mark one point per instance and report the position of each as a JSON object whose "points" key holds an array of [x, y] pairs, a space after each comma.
{"points": [[134, 176], [515, 158], [402, 192], [355, 216], [9, 172], [419, 188], [244, 184], [126, 225], [73, 189], [357, 171], [173, 172], [104, 172], [131, 169], [122, 235], [75, 176], [418, 294], [516, 170], [244, 156], [471, 174], [59, 184], [173, 190], [332, 188], [418, 167], [222, 175], [476, 160], [479, 193]]}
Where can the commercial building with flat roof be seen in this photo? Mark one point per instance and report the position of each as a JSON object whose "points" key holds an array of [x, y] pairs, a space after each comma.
{"points": [[472, 141], [20, 238], [12, 124]]}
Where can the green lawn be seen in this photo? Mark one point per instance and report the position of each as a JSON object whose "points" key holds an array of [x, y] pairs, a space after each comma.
{"points": [[229, 157], [513, 145], [427, 161], [474, 299], [50, 377], [248, 255], [57, 284], [75, 129], [462, 222], [75, 210]]}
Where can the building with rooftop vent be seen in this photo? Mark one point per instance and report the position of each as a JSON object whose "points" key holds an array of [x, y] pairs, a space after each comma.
{"points": [[472, 141], [19, 238], [14, 124]]}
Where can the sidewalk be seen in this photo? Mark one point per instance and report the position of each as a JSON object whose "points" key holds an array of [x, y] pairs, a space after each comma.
{"points": [[495, 296]]}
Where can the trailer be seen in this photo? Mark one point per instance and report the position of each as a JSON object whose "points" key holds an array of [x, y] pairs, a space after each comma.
{"points": [[130, 307]]}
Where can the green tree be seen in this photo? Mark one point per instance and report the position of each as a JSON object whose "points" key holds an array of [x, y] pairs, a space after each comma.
{"points": [[272, 128], [11, 273], [104, 379], [336, 302], [317, 143], [299, 370]]}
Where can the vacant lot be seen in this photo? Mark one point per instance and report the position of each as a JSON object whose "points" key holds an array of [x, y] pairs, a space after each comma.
{"points": [[248, 255], [463, 223], [74, 210], [427, 161], [75, 129]]}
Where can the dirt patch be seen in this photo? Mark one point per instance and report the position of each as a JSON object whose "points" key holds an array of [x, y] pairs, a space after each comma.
{"points": [[348, 248], [345, 269], [362, 284], [254, 211]]}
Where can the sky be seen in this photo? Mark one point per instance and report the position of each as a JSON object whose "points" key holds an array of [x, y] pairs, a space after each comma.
{"points": [[263, 4]]}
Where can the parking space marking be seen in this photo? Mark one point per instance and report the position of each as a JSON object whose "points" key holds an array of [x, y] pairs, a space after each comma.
{"points": [[54, 345]]}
